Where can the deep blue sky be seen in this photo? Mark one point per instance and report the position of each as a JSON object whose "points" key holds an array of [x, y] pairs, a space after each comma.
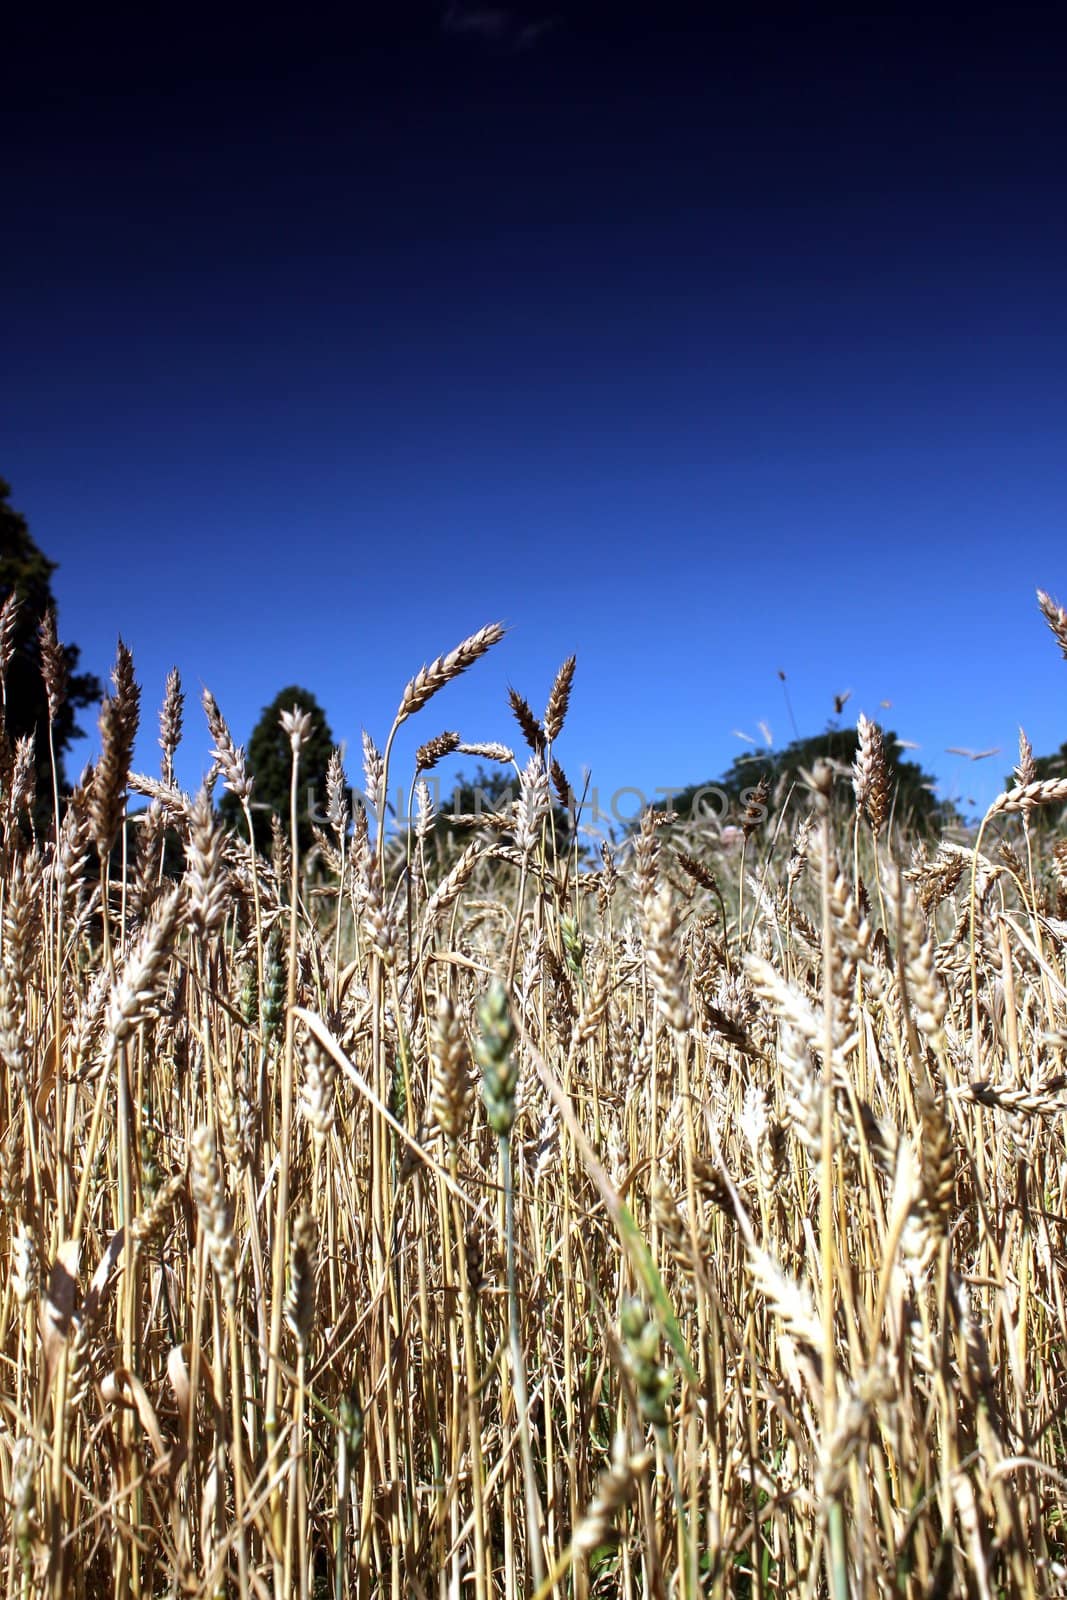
{"points": [[702, 344]]}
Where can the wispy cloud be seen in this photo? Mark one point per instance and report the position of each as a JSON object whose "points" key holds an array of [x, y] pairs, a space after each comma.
{"points": [[502, 27]]}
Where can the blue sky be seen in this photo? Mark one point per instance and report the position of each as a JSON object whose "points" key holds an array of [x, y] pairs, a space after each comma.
{"points": [[700, 348]]}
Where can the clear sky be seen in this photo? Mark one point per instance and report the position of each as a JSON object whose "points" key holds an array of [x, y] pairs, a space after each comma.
{"points": [[701, 342]]}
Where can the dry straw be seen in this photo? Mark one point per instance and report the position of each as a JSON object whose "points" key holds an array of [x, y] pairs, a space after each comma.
{"points": [[291, 1310]]}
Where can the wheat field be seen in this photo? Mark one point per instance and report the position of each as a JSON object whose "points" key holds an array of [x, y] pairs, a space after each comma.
{"points": [[444, 1212]]}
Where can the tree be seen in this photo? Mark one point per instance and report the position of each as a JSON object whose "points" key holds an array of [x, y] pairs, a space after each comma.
{"points": [[492, 792], [914, 802], [270, 761], [27, 572], [486, 791]]}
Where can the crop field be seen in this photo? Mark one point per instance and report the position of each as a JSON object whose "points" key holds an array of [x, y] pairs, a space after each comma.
{"points": [[458, 1210]]}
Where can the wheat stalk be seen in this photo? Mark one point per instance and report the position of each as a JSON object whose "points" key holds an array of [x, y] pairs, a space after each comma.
{"points": [[429, 680]]}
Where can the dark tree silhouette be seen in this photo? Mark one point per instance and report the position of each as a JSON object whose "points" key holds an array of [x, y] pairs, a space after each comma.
{"points": [[492, 792], [270, 763], [27, 572], [914, 802]]}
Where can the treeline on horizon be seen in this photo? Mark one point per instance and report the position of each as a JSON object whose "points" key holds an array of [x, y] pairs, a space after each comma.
{"points": [[755, 780]]}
